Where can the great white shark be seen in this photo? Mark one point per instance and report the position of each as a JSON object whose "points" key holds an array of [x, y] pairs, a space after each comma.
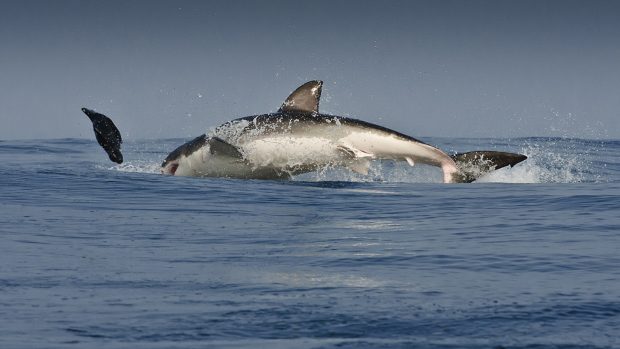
{"points": [[298, 139]]}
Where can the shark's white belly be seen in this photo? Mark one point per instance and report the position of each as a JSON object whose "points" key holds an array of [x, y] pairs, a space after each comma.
{"points": [[278, 155], [289, 152], [266, 157], [349, 148], [379, 145]]}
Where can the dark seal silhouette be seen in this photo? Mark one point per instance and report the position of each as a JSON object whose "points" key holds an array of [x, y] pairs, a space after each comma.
{"points": [[108, 136]]}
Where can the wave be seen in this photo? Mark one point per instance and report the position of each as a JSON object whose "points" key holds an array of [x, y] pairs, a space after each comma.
{"points": [[550, 160]]}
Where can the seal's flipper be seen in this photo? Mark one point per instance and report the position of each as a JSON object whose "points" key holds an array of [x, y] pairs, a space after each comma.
{"points": [[304, 99], [473, 165], [218, 146], [107, 135]]}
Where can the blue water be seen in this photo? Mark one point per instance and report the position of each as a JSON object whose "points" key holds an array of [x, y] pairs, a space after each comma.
{"points": [[94, 255]]}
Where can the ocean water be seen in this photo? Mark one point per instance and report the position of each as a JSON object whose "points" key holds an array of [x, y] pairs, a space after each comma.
{"points": [[96, 255]]}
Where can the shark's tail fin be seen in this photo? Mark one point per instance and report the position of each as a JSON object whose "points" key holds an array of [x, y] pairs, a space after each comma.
{"points": [[474, 164]]}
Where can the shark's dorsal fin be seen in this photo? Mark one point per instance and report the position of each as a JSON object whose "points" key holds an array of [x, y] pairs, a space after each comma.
{"points": [[218, 146], [304, 99]]}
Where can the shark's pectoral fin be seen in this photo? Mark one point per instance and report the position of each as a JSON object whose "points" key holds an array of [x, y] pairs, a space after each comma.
{"points": [[218, 146], [304, 99], [358, 160], [353, 152]]}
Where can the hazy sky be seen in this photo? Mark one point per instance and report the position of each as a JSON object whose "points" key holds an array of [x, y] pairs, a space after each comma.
{"points": [[426, 68]]}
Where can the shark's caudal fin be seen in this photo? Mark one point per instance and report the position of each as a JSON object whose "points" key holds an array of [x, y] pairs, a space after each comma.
{"points": [[473, 165]]}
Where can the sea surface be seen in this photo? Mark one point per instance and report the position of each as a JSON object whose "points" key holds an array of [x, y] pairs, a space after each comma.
{"points": [[98, 255]]}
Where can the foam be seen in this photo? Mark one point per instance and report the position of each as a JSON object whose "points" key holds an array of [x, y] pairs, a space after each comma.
{"points": [[137, 166], [545, 164]]}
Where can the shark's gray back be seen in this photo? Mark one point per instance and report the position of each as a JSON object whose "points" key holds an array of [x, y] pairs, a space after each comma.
{"points": [[298, 123]]}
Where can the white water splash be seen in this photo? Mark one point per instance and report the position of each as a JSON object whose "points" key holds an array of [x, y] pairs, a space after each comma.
{"points": [[137, 166], [551, 163], [561, 162]]}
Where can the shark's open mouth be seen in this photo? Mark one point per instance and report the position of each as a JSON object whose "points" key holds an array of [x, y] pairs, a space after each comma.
{"points": [[170, 169]]}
